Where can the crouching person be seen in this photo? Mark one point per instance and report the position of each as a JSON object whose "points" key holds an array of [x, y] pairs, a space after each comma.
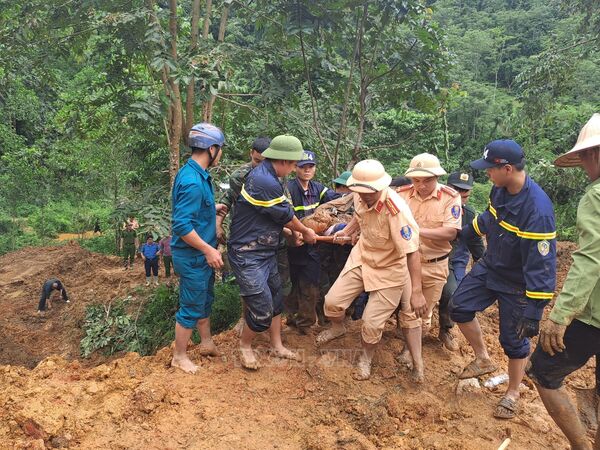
{"points": [[194, 243], [260, 214], [382, 263]]}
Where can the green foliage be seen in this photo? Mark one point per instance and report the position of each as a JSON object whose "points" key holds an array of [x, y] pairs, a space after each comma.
{"points": [[108, 328], [146, 325], [100, 244], [480, 196]]}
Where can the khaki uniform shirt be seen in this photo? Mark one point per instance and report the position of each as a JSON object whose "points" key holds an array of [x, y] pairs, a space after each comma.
{"points": [[442, 208], [388, 233]]}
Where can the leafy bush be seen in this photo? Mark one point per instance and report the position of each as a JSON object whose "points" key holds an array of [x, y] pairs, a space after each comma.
{"points": [[480, 196], [101, 244], [148, 325]]}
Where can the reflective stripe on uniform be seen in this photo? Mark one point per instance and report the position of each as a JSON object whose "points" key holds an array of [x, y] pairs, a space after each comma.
{"points": [[323, 192], [263, 203], [476, 226], [539, 295], [522, 234], [305, 208]]}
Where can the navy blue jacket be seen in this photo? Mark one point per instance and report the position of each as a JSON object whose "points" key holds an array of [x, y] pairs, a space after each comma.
{"points": [[462, 247], [261, 211], [521, 244]]}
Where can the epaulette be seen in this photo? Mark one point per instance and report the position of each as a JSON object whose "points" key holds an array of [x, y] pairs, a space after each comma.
{"points": [[449, 190], [391, 206], [379, 206], [406, 187]]}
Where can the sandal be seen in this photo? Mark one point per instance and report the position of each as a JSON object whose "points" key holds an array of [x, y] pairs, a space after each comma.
{"points": [[476, 368], [507, 408]]}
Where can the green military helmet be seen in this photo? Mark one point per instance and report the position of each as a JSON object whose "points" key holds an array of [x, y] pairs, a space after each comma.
{"points": [[284, 147]]}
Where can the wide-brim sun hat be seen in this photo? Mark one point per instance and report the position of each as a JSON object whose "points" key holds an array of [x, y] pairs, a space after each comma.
{"points": [[589, 137], [284, 147], [368, 176], [425, 165]]}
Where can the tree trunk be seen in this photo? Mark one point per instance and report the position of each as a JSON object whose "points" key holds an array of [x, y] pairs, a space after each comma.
{"points": [[191, 87], [211, 103], [176, 113]]}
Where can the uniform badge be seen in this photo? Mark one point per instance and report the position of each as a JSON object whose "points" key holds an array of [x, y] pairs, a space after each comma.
{"points": [[456, 211], [406, 232], [543, 247], [464, 177]]}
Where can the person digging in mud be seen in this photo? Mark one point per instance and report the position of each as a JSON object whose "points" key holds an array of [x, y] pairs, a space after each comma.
{"points": [[260, 214], [50, 285], [195, 256], [381, 263], [570, 335], [518, 268]]}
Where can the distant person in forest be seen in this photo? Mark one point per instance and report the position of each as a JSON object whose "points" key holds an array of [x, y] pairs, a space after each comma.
{"points": [[570, 336], [194, 244], [150, 252], [128, 245], [131, 220], [165, 251], [53, 284], [97, 226]]}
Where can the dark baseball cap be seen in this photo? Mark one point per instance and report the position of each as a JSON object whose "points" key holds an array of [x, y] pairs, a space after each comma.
{"points": [[461, 180], [261, 143], [400, 181], [498, 153], [308, 157]]}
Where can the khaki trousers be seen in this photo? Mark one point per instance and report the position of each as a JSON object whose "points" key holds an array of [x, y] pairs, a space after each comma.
{"points": [[433, 276], [381, 305]]}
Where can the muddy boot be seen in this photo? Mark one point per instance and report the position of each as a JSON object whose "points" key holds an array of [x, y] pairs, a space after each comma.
{"points": [[448, 340], [147, 281], [155, 281]]}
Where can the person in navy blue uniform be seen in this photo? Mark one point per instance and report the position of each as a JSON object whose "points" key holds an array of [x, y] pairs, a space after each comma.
{"points": [[261, 212], [53, 284], [462, 250], [304, 261], [518, 268], [150, 252], [195, 256]]}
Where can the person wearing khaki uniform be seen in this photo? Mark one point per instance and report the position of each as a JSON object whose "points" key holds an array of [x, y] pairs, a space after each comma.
{"points": [[437, 210], [383, 261]]}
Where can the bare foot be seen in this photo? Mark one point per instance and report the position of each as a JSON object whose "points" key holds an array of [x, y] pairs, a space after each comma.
{"points": [[285, 353], [184, 363], [239, 326], [417, 375], [248, 359], [330, 334], [363, 369], [208, 349], [405, 358]]}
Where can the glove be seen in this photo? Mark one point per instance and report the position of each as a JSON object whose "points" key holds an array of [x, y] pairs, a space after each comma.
{"points": [[527, 328]]}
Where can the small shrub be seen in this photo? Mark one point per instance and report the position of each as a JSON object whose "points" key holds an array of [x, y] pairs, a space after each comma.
{"points": [[101, 244]]}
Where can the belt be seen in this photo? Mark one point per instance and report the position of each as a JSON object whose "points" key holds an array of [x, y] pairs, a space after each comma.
{"points": [[441, 258]]}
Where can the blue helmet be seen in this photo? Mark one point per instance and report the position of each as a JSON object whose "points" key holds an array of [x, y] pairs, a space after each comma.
{"points": [[203, 135]]}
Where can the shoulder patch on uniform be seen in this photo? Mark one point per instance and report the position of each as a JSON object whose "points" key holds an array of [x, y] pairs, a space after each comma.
{"points": [[393, 208], [449, 190], [543, 247], [455, 211], [406, 187], [379, 206], [406, 232]]}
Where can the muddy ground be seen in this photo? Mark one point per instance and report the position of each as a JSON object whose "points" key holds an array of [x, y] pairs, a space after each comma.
{"points": [[142, 403]]}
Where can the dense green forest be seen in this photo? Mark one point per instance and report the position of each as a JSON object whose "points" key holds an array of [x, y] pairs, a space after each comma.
{"points": [[96, 97]]}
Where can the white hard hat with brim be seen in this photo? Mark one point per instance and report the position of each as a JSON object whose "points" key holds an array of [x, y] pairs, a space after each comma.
{"points": [[424, 165], [589, 137], [368, 176]]}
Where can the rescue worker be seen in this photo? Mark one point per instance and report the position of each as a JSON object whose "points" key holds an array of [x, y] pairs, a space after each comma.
{"points": [[462, 249], [236, 181], [129, 244], [436, 208], [304, 261], [570, 335], [382, 261], [518, 268], [195, 256], [53, 284], [339, 183], [260, 214]]}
